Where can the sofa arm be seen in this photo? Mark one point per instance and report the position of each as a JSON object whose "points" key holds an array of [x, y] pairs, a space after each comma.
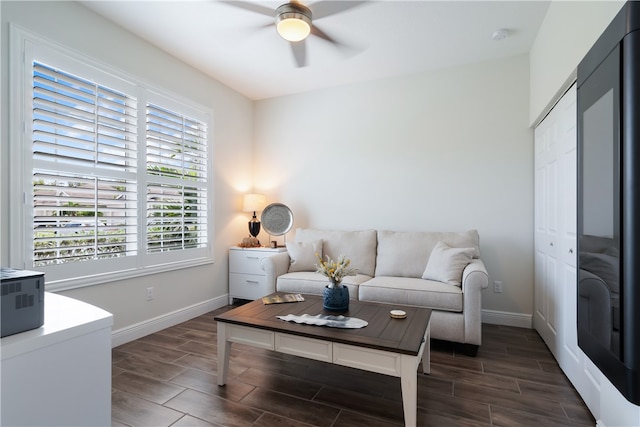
{"points": [[274, 266], [475, 275], [474, 279]]}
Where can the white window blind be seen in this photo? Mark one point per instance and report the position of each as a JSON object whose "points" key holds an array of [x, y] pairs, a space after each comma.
{"points": [[84, 169], [177, 181], [116, 175]]}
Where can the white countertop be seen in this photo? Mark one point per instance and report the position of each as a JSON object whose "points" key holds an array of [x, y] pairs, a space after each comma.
{"points": [[64, 318]]}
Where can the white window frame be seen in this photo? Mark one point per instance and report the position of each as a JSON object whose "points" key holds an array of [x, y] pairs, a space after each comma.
{"points": [[26, 47]]}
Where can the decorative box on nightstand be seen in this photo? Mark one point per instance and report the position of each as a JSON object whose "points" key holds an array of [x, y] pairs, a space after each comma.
{"points": [[247, 280]]}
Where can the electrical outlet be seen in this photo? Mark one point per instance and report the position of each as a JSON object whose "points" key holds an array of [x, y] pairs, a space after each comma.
{"points": [[150, 293], [497, 287]]}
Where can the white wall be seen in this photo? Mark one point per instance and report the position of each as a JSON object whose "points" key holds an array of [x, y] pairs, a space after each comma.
{"points": [[448, 150], [567, 33], [74, 26]]}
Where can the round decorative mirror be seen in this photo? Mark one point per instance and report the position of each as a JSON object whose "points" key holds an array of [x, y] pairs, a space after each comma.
{"points": [[276, 219]]}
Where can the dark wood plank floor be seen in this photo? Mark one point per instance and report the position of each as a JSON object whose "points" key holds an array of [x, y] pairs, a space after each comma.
{"points": [[169, 379]]}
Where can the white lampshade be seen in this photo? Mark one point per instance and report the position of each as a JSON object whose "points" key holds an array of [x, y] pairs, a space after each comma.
{"points": [[254, 202]]}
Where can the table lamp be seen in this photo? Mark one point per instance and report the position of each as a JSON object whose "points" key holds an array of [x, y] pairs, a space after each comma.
{"points": [[253, 203]]}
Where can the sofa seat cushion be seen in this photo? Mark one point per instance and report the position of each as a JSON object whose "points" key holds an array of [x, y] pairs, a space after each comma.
{"points": [[411, 291], [307, 282]]}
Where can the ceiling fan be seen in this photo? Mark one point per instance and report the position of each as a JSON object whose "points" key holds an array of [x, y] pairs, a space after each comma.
{"points": [[294, 21]]}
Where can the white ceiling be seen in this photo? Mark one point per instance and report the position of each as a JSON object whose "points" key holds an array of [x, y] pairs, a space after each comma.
{"points": [[241, 48]]}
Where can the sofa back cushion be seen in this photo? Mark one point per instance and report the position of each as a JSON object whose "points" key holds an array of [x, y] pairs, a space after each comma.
{"points": [[405, 254], [446, 264], [358, 246], [303, 255]]}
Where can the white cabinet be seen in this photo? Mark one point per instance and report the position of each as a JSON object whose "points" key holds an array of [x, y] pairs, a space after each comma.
{"points": [[58, 374], [247, 280]]}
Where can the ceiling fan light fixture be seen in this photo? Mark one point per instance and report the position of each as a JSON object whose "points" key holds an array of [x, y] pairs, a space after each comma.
{"points": [[293, 22]]}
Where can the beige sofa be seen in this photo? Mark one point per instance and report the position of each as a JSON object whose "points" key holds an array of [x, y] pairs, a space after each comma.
{"points": [[439, 270]]}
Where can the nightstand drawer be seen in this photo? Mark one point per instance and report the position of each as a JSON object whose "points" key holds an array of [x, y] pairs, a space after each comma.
{"points": [[248, 286], [247, 262]]}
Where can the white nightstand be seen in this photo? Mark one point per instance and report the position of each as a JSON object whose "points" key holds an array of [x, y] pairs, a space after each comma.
{"points": [[247, 280]]}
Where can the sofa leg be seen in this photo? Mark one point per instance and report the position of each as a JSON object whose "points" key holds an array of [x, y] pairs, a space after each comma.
{"points": [[469, 349]]}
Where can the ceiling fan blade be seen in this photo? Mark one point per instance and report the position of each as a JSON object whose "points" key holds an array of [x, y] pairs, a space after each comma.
{"points": [[326, 8], [251, 7], [316, 31], [299, 50], [319, 33], [348, 50]]}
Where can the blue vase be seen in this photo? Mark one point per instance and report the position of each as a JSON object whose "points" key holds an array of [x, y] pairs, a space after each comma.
{"points": [[335, 299]]}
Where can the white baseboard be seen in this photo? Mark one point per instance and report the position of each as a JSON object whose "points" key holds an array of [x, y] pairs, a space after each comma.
{"points": [[139, 330], [506, 318]]}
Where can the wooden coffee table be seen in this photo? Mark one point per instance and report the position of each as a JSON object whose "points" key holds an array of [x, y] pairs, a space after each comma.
{"points": [[386, 345]]}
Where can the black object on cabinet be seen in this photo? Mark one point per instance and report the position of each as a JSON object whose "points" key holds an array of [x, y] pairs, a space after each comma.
{"points": [[609, 202]]}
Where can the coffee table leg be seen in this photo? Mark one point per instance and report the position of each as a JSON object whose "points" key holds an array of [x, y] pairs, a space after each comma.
{"points": [[224, 348], [409, 383], [426, 354]]}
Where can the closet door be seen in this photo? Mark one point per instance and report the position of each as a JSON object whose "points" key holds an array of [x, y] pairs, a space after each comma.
{"points": [[546, 223], [555, 229], [566, 111], [555, 304]]}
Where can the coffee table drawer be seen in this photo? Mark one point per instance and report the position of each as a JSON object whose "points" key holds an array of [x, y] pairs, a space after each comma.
{"points": [[304, 347], [250, 336], [382, 362]]}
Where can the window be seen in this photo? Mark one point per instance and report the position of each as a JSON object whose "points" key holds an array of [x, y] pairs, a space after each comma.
{"points": [[176, 183], [116, 175], [84, 170]]}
